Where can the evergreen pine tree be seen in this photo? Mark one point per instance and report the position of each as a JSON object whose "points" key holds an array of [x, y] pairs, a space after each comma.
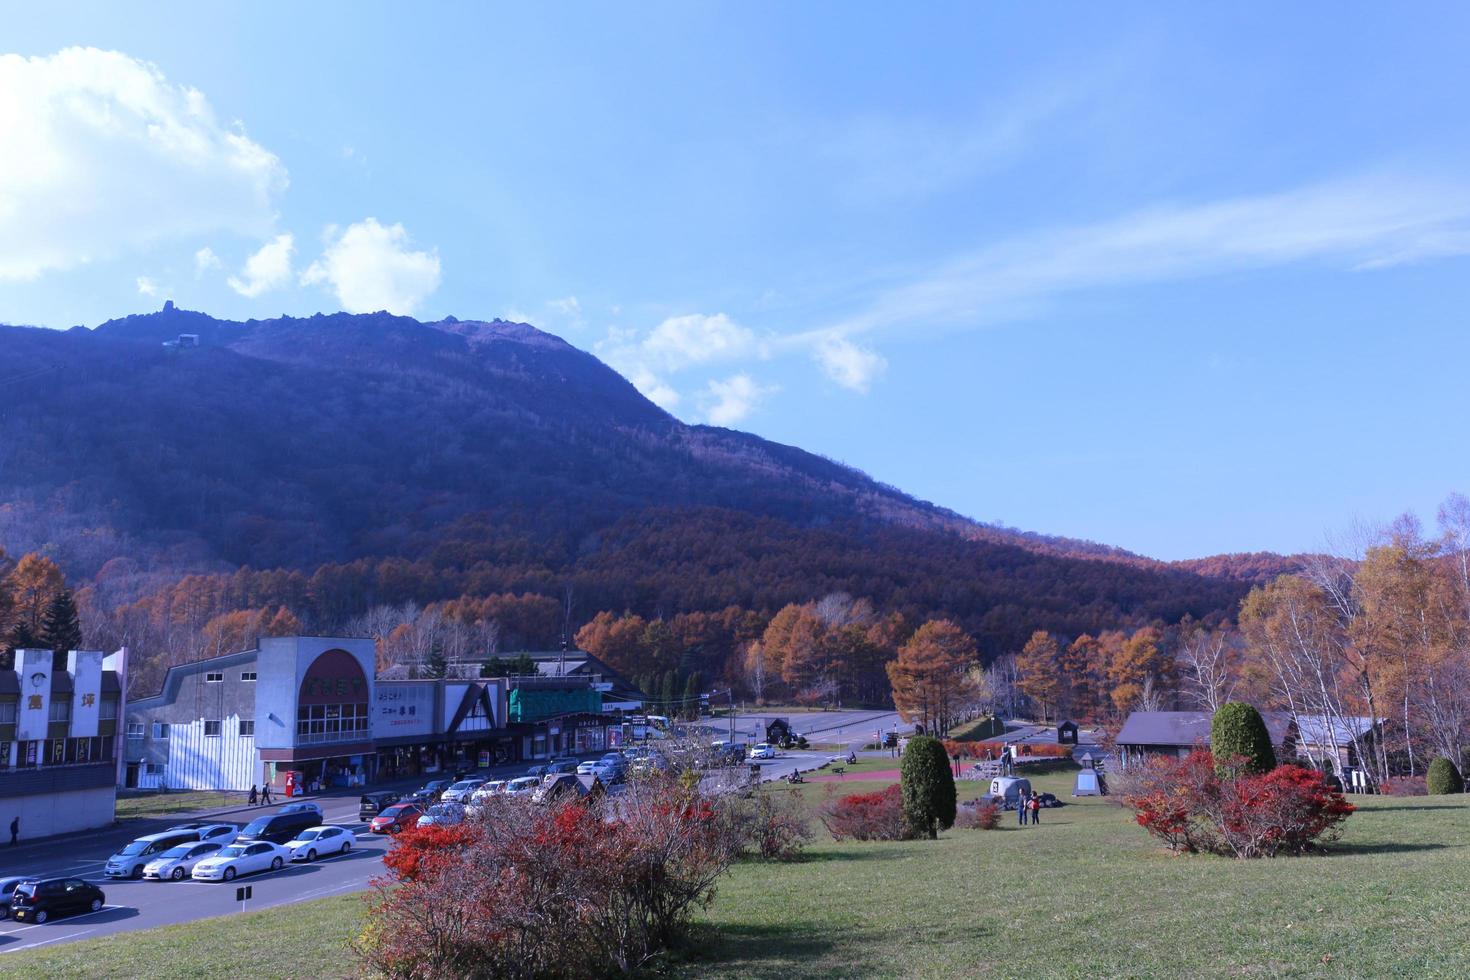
{"points": [[61, 629], [928, 787], [1238, 732], [437, 664]]}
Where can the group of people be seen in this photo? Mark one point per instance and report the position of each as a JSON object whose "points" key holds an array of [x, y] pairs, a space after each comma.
{"points": [[1028, 808], [263, 798]]}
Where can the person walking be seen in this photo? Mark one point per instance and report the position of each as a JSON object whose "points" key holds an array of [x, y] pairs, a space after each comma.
{"points": [[1035, 812], [265, 795], [253, 795], [15, 831], [1021, 803]]}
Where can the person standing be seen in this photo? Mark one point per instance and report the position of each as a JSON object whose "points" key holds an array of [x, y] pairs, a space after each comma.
{"points": [[253, 795], [1035, 811], [1021, 802], [15, 831], [265, 795]]}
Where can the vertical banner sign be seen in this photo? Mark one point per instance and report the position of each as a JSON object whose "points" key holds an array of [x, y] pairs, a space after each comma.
{"points": [[33, 713], [86, 678]]}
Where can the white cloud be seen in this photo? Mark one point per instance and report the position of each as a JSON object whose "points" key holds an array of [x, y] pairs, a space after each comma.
{"points": [[566, 306], [655, 389], [1361, 223], [730, 401], [269, 268], [205, 261], [147, 287], [846, 363], [103, 155], [371, 267], [683, 341]]}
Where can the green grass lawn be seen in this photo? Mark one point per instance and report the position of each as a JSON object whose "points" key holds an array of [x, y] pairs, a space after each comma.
{"points": [[304, 940], [133, 807], [1084, 894]]}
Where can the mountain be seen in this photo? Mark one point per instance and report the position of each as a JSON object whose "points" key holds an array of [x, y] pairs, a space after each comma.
{"points": [[488, 456]]}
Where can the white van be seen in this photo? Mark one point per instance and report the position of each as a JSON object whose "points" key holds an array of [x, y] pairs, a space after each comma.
{"points": [[1007, 790]]}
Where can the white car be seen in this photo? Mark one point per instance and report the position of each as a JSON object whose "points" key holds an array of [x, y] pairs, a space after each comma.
{"points": [[175, 863], [314, 842], [461, 791], [242, 859], [522, 786], [214, 833], [764, 750], [443, 815]]}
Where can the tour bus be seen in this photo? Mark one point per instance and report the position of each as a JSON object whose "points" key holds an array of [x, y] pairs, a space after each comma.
{"points": [[641, 728]]}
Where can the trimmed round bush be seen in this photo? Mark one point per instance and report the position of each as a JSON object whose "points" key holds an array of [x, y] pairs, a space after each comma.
{"points": [[928, 787], [1443, 778], [1239, 740]]}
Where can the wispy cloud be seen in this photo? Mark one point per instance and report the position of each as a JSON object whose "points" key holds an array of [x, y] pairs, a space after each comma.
{"points": [[731, 400], [1359, 223], [268, 268]]}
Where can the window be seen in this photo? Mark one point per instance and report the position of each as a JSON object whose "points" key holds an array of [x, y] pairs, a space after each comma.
{"points": [[109, 710], [247, 675], [211, 729], [331, 722], [247, 728], [154, 768], [135, 729], [7, 712], [160, 729], [214, 677], [60, 710]]}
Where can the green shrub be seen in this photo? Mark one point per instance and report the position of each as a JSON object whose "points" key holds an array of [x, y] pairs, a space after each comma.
{"points": [[928, 787], [1239, 740], [1443, 778]]}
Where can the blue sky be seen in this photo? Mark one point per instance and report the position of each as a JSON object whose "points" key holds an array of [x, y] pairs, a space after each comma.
{"points": [[1182, 280]]}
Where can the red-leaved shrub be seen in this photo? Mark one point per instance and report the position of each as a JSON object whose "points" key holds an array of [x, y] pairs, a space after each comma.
{"points": [[1405, 786], [1188, 805], [977, 815], [866, 816]]}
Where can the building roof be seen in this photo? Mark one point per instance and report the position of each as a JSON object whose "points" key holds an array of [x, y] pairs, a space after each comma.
{"points": [[1186, 728], [1319, 729]]}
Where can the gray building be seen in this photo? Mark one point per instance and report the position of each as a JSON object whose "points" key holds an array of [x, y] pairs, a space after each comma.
{"points": [[1177, 733], [312, 706], [59, 750]]}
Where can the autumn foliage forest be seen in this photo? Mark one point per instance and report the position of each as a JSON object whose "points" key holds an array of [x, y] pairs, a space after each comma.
{"points": [[462, 488]]}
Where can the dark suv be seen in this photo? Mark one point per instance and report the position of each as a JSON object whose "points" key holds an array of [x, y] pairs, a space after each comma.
{"points": [[279, 827], [373, 804], [37, 901]]}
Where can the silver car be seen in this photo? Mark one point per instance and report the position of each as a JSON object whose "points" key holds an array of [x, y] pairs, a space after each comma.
{"points": [[177, 863]]}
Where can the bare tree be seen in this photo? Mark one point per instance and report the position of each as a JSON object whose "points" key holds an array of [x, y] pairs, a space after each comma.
{"points": [[1205, 669]]}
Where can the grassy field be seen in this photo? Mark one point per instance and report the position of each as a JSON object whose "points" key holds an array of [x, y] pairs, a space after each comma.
{"points": [[133, 807], [1084, 894]]}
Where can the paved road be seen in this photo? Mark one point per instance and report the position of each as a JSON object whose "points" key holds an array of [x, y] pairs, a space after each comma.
{"points": [[144, 904], [844, 727]]}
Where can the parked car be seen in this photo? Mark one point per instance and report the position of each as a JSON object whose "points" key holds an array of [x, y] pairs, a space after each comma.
{"points": [[434, 789], [461, 790], [302, 807], [396, 818], [176, 863], [482, 795], [215, 833], [560, 766], [7, 888], [36, 900], [244, 858], [764, 750], [442, 814], [537, 771], [373, 804], [132, 859], [319, 841], [281, 826], [610, 770], [522, 786]]}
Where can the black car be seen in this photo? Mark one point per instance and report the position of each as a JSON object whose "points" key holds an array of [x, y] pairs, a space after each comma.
{"points": [[434, 789], [373, 804], [38, 900], [279, 827]]}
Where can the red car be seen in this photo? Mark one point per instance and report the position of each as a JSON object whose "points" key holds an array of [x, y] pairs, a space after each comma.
{"points": [[396, 818]]}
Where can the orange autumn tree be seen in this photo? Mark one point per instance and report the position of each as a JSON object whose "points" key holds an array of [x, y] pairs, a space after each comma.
{"points": [[1040, 671], [929, 676]]}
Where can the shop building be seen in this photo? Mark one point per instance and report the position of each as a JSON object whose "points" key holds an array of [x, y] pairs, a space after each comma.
{"points": [[59, 751]]}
